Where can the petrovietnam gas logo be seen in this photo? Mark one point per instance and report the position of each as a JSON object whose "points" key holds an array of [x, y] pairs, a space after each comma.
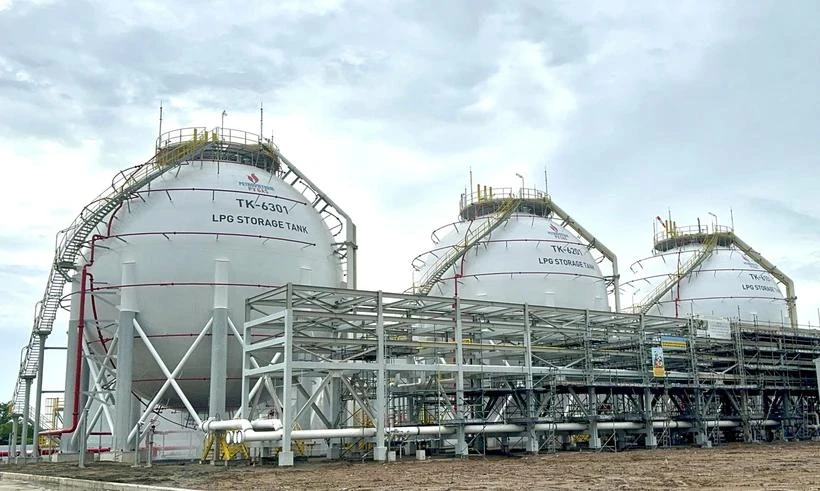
{"points": [[557, 233], [252, 184]]}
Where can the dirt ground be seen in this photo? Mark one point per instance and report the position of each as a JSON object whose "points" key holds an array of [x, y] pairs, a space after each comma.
{"points": [[733, 466]]}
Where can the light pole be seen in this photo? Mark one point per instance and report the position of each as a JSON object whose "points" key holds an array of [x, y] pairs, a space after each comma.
{"points": [[716, 222], [522, 183], [222, 127]]}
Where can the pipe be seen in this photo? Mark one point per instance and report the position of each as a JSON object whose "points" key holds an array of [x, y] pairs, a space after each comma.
{"points": [[246, 431]]}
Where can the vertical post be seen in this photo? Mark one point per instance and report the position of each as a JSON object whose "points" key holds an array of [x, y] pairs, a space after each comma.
{"points": [[532, 437], [246, 365], [461, 440], [286, 455], [83, 438], [380, 452], [26, 403], [66, 445], [13, 442], [219, 341], [38, 395], [350, 241], [651, 440], [125, 360], [594, 437], [592, 396]]}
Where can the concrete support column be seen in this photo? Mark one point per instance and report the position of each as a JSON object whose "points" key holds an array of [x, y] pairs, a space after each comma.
{"points": [[380, 451], [651, 439], [26, 405], [38, 395], [219, 341], [125, 361], [594, 438]]}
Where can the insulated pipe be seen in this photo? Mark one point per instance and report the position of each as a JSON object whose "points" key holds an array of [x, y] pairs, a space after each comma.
{"points": [[350, 229], [596, 244], [249, 434], [791, 297]]}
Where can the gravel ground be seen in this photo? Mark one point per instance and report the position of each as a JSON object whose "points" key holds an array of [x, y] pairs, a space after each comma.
{"points": [[734, 466]]}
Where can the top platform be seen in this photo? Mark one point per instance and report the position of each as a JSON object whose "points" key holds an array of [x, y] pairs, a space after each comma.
{"points": [[233, 146], [487, 200], [692, 234]]}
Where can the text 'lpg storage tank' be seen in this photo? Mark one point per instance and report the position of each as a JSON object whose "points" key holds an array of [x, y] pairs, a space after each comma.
{"points": [[514, 246], [207, 223], [708, 271]]}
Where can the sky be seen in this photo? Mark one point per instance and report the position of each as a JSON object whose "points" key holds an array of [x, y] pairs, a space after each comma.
{"points": [[634, 108]]}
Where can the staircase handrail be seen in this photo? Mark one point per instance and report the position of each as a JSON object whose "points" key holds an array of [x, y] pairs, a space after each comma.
{"points": [[470, 238], [683, 269], [70, 240]]}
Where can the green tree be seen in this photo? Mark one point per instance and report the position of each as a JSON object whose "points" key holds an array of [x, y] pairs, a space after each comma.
{"points": [[6, 425]]}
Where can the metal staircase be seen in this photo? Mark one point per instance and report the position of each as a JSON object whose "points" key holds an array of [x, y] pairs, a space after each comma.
{"points": [[444, 262], [673, 278], [72, 239]]}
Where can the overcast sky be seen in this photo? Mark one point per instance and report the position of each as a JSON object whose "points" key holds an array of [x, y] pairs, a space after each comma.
{"points": [[634, 107]]}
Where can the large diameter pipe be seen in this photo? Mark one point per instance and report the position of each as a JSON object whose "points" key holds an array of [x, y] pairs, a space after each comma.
{"points": [[249, 434]]}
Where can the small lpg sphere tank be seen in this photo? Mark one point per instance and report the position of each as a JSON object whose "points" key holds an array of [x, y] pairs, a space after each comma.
{"points": [[222, 217], [706, 271], [508, 246]]}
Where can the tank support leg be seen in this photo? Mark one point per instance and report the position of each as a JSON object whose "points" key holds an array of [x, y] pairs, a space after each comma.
{"points": [[125, 361], [219, 341], [66, 445]]}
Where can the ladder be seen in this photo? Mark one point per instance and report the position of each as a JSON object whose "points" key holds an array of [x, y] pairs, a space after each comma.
{"points": [[72, 239], [444, 262], [674, 278]]}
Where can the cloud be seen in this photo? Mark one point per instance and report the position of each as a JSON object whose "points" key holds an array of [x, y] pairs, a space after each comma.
{"points": [[632, 108]]}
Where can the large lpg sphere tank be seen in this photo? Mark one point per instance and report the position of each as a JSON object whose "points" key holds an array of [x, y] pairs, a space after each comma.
{"points": [[529, 258], [226, 206], [727, 284]]}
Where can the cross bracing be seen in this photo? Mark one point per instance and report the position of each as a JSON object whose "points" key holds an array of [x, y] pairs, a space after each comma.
{"points": [[459, 362]]}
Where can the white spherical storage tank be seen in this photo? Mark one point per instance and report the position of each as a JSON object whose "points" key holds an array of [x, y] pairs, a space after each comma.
{"points": [[723, 281], [224, 218], [525, 257]]}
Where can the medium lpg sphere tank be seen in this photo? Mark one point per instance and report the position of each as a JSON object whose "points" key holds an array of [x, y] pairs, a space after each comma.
{"points": [[227, 205], [700, 271], [508, 248]]}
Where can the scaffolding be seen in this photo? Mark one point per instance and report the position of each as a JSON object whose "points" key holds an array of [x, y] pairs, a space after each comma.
{"points": [[459, 376]]}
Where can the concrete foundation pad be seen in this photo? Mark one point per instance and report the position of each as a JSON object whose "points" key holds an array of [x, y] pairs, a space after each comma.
{"points": [[380, 454], [285, 459]]}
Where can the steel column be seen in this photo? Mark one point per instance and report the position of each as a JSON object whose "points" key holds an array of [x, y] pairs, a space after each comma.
{"points": [[26, 411], [461, 439], [13, 442], [38, 395], [380, 451]]}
